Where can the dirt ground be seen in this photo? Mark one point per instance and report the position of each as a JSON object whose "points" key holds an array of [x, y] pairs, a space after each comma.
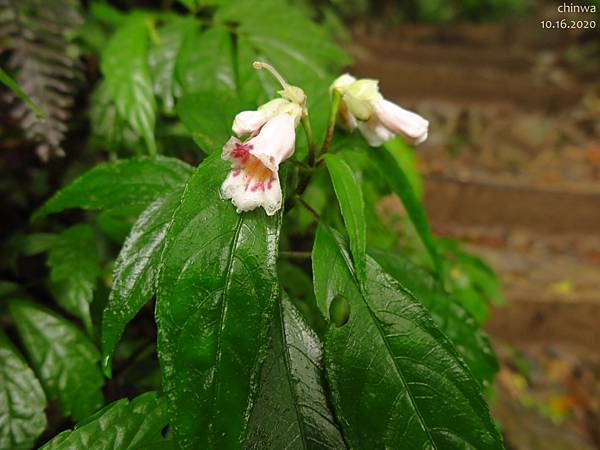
{"points": [[512, 169]]}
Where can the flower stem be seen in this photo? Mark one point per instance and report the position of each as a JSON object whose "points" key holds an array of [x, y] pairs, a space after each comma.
{"points": [[309, 208], [335, 104], [294, 254], [309, 139]]}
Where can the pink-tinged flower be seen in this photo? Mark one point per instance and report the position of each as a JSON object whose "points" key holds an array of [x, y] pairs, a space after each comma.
{"points": [[407, 124], [378, 119], [254, 178], [249, 122]]}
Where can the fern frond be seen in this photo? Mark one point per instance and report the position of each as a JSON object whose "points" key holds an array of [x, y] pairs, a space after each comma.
{"points": [[46, 64]]}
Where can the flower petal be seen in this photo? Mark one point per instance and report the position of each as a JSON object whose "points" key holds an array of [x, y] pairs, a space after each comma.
{"points": [[360, 97], [342, 82], [275, 142], [401, 121], [247, 122], [375, 132], [237, 187]]}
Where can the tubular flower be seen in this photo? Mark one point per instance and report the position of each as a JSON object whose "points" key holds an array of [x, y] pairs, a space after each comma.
{"points": [[378, 119], [249, 122], [254, 178]]}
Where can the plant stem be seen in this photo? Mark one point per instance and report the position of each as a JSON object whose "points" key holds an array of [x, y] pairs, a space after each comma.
{"points": [[309, 139], [295, 254], [309, 208], [335, 104]]}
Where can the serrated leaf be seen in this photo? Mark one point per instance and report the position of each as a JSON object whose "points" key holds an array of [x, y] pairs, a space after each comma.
{"points": [[122, 425], [286, 37], [74, 268], [124, 65], [205, 61], [209, 116], [109, 129], [449, 315], [400, 184], [135, 271], [22, 400], [163, 56], [396, 380], [62, 356], [291, 409], [349, 194], [215, 300], [120, 183]]}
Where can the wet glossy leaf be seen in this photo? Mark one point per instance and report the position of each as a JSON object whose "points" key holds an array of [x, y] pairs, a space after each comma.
{"points": [[62, 356], [127, 76], [74, 268], [209, 116], [205, 61], [162, 57], [401, 185], [396, 380], [122, 425], [448, 314], [286, 37], [291, 409], [349, 195], [22, 400], [215, 300], [136, 270], [121, 183], [109, 130]]}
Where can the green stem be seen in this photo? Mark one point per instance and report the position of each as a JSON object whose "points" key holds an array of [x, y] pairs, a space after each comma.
{"points": [[335, 105], [309, 139], [309, 208], [294, 254]]}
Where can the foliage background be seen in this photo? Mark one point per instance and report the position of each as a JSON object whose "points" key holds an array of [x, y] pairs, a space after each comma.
{"points": [[128, 80]]}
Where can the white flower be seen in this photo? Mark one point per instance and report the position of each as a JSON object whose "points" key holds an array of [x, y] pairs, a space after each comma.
{"points": [[378, 119], [254, 178], [249, 122], [400, 121], [374, 132]]}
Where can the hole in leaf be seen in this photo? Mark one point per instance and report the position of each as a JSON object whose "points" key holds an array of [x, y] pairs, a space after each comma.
{"points": [[165, 432], [339, 311]]}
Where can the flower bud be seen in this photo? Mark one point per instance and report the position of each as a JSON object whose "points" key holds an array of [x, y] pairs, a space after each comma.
{"points": [[342, 82], [360, 97]]}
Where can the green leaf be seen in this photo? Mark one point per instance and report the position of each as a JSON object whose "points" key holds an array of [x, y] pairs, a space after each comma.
{"points": [[109, 130], [215, 297], [122, 425], [209, 116], [74, 268], [448, 314], [163, 56], [13, 86], [22, 400], [135, 271], [349, 195], [405, 157], [124, 65], [399, 183], [205, 61], [396, 380], [291, 409], [286, 37], [119, 183], [62, 357]]}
